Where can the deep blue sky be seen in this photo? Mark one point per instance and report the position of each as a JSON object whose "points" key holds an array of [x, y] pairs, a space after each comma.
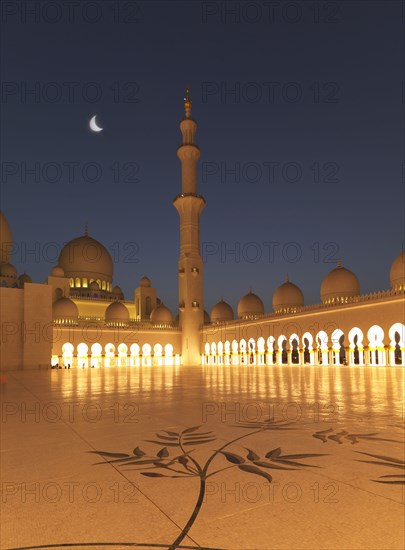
{"points": [[345, 132]]}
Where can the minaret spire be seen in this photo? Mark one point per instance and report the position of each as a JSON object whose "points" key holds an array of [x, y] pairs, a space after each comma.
{"points": [[188, 104], [189, 205], [86, 229]]}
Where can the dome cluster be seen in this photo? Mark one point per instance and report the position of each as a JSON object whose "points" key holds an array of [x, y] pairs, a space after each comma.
{"points": [[337, 287]]}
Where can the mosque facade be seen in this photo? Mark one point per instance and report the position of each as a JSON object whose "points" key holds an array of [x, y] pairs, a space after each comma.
{"points": [[79, 319]]}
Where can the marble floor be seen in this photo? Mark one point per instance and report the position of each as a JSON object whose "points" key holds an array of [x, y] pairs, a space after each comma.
{"points": [[222, 458]]}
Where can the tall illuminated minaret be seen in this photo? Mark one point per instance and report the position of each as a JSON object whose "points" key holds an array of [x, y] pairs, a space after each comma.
{"points": [[189, 205]]}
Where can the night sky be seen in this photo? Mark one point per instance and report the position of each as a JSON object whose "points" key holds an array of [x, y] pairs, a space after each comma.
{"points": [[303, 99]]}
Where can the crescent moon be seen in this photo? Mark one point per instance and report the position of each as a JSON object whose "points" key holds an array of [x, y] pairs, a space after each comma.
{"points": [[94, 126]]}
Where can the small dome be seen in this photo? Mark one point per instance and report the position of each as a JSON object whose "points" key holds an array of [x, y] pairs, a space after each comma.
{"points": [[57, 271], [287, 297], [6, 239], [221, 312], [117, 314], [207, 319], [338, 285], [65, 310], [161, 315], [94, 285], [145, 281], [8, 270], [118, 292], [250, 306], [397, 273], [24, 278]]}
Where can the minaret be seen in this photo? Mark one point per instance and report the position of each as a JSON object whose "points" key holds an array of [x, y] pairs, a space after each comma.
{"points": [[189, 205]]}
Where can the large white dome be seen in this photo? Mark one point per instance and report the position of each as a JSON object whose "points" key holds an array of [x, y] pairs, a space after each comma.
{"points": [[86, 257]]}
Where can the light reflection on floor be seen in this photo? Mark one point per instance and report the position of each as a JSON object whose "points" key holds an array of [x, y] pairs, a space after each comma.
{"points": [[115, 410]]}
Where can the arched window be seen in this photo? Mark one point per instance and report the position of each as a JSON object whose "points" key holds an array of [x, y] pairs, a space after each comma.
{"points": [[148, 305], [77, 283]]}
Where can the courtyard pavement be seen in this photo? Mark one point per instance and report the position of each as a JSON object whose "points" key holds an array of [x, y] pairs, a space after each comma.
{"points": [[222, 458]]}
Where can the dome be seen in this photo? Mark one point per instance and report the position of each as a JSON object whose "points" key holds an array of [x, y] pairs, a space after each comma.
{"points": [[287, 297], [250, 306], [94, 285], [161, 314], [338, 285], [397, 273], [8, 270], [57, 271], [117, 314], [6, 239], [86, 257], [65, 310], [221, 312], [24, 278], [207, 319], [145, 281]]}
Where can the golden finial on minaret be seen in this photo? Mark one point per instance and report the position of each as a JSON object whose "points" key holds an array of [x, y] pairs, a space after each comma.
{"points": [[339, 263], [188, 103], [86, 230]]}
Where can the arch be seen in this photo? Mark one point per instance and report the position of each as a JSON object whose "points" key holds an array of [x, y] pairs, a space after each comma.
{"points": [[148, 305], [77, 282], [338, 350], [294, 349], [158, 355], [220, 352], [375, 337], [146, 355], [227, 350], [271, 351], [58, 294], [122, 355], [397, 344], [356, 349], [109, 359], [83, 355], [261, 352], [103, 285], [235, 352], [67, 354], [85, 284], [282, 356], [251, 350], [96, 352], [134, 359], [242, 352], [169, 354], [308, 349], [322, 341]]}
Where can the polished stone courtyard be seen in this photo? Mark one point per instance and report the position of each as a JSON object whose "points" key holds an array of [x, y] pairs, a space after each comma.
{"points": [[213, 457]]}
